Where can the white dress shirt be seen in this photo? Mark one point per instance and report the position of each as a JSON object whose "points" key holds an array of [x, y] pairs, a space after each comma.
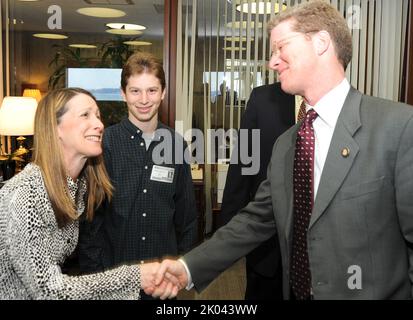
{"points": [[328, 110]]}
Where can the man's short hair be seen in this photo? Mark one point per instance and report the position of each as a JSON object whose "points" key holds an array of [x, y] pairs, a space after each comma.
{"points": [[315, 16]]}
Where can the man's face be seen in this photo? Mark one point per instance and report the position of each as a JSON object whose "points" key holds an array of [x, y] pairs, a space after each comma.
{"points": [[293, 57], [143, 95]]}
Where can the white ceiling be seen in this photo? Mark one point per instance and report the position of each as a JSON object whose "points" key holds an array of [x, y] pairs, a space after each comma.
{"points": [[149, 13], [35, 16]]}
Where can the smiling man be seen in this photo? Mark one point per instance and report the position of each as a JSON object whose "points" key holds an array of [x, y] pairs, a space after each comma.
{"points": [[153, 212], [338, 193]]}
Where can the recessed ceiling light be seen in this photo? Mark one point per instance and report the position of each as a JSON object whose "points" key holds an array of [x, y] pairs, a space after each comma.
{"points": [[127, 26], [260, 7], [137, 43], [82, 46], [237, 24], [101, 12], [237, 39], [124, 32], [54, 36]]}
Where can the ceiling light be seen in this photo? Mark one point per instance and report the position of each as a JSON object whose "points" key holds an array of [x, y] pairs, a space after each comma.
{"points": [[264, 7], [124, 32], [137, 43], [237, 24], [101, 12], [54, 36], [82, 46], [126, 26]]}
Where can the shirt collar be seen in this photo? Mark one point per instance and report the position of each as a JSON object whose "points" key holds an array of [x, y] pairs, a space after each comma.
{"points": [[330, 105]]}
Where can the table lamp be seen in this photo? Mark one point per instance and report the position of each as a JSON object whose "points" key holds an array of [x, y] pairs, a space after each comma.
{"points": [[34, 93], [17, 119]]}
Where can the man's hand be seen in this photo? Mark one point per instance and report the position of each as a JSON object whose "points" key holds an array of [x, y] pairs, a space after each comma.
{"points": [[163, 288], [172, 271]]}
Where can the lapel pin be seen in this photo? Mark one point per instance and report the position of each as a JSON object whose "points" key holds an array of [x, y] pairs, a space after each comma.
{"points": [[345, 152]]}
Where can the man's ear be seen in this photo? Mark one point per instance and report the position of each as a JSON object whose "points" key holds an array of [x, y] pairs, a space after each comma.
{"points": [[123, 95], [163, 94], [322, 42]]}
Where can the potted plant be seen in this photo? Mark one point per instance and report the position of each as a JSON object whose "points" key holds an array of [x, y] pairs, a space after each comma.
{"points": [[65, 57], [115, 52], [112, 54]]}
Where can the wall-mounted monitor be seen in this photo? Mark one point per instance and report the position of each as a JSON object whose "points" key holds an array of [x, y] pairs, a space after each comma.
{"points": [[103, 83]]}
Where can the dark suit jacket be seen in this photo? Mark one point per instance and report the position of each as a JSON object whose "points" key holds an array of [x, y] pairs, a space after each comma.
{"points": [[272, 111], [362, 215]]}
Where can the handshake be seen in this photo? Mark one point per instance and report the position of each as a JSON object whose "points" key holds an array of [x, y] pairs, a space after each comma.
{"points": [[163, 280]]}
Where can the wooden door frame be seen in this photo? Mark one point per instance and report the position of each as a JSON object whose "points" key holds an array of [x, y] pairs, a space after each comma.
{"points": [[407, 89], [168, 107]]}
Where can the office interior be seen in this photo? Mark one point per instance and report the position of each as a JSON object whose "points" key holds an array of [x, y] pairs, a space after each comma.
{"points": [[214, 53]]}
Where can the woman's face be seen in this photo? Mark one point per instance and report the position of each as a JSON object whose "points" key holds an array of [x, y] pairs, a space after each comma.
{"points": [[80, 129]]}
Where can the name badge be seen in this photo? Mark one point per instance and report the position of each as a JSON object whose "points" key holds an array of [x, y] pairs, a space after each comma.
{"points": [[162, 174]]}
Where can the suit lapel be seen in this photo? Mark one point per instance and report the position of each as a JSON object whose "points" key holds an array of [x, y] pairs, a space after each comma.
{"points": [[289, 166], [337, 166]]}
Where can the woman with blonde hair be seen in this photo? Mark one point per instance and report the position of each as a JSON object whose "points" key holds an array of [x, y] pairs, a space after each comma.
{"points": [[40, 209]]}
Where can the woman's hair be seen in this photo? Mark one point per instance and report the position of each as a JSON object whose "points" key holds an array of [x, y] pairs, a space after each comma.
{"points": [[142, 62], [48, 156]]}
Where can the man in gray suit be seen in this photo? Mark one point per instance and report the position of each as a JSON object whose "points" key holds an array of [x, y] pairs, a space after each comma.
{"points": [[358, 241]]}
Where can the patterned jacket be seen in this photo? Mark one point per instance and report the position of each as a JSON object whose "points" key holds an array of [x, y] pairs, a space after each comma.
{"points": [[32, 247]]}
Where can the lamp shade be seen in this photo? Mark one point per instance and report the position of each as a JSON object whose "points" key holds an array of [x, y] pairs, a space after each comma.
{"points": [[17, 116], [34, 93]]}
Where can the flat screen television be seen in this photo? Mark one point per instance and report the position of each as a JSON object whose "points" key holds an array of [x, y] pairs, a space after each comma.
{"points": [[103, 83]]}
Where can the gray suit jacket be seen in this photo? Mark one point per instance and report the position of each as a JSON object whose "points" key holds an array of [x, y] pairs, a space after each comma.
{"points": [[362, 216]]}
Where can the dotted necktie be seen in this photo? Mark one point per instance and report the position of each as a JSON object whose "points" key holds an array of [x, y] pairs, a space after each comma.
{"points": [[303, 205]]}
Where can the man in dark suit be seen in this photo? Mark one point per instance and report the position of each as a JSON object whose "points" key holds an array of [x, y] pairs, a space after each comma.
{"points": [[272, 111], [347, 232]]}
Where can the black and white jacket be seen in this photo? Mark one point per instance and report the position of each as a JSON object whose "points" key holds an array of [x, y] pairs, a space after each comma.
{"points": [[32, 247]]}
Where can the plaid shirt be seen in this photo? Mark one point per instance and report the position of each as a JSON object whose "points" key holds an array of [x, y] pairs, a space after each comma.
{"points": [[146, 219]]}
